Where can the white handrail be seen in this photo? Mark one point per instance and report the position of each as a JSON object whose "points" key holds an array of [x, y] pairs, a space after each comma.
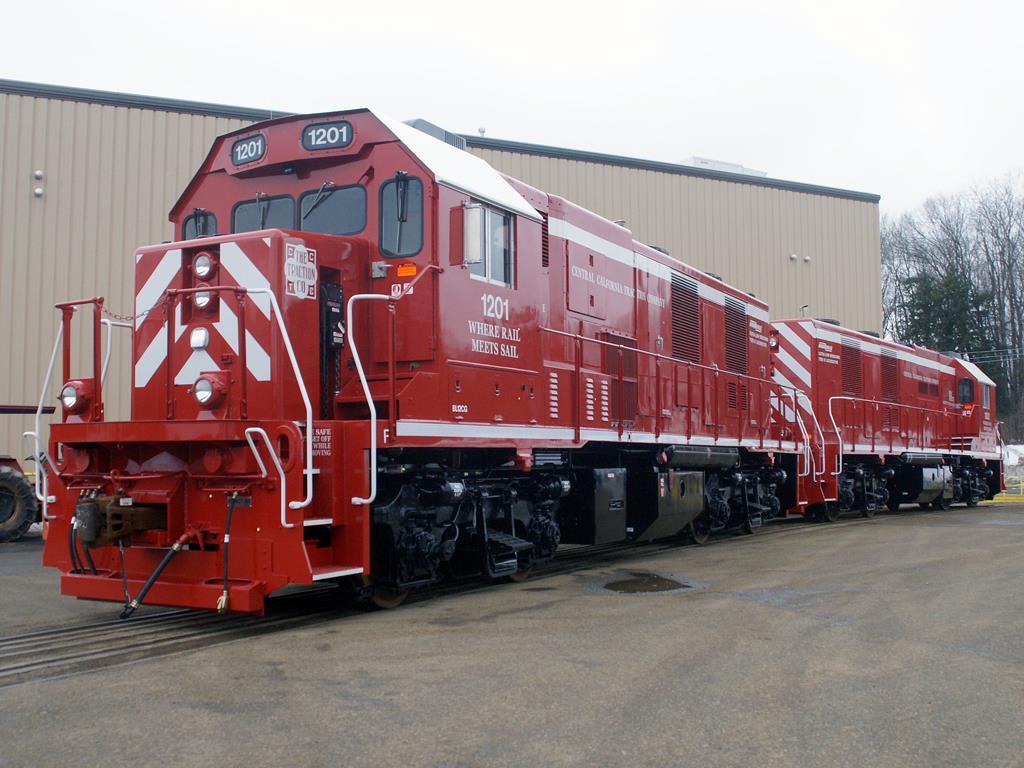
{"points": [[366, 391], [44, 495], [817, 426], [106, 356], [42, 454], [308, 463], [263, 468]]}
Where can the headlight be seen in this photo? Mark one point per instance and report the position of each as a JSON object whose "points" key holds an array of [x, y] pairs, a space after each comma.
{"points": [[75, 396], [199, 338], [69, 397], [201, 299], [202, 265], [203, 390]]}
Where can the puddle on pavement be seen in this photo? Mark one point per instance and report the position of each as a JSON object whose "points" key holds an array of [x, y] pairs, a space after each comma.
{"points": [[641, 583]]}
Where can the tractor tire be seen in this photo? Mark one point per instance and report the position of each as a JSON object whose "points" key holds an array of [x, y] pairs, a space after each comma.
{"points": [[18, 505]]}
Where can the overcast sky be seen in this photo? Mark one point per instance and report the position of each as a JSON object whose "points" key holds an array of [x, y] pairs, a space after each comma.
{"points": [[904, 99]]}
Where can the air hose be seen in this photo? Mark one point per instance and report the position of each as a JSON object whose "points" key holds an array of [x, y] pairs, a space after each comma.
{"points": [[222, 601], [175, 549]]}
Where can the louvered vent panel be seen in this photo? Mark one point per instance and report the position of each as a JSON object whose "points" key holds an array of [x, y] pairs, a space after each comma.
{"points": [[685, 319], [735, 336], [545, 254], [890, 378], [850, 362]]}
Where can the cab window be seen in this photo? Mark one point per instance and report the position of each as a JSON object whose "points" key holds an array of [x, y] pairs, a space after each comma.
{"points": [[263, 213], [201, 223], [333, 210], [401, 216], [497, 264], [965, 391], [986, 396]]}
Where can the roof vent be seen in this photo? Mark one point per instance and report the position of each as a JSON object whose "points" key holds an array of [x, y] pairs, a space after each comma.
{"points": [[876, 334], [437, 132], [828, 320], [660, 249], [720, 165]]}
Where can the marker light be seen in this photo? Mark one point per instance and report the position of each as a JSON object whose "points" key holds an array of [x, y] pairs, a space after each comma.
{"points": [[203, 390], [202, 265], [199, 338]]}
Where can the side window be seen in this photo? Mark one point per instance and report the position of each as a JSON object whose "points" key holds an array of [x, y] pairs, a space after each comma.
{"points": [[986, 396], [498, 248], [401, 216], [965, 391], [202, 223], [263, 213], [333, 211]]}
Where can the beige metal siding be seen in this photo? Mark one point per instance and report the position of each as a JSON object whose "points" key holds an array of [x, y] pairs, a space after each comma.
{"points": [[111, 175], [743, 232]]}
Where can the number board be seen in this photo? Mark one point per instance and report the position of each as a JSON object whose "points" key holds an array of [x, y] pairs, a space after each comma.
{"points": [[332, 135], [248, 150]]}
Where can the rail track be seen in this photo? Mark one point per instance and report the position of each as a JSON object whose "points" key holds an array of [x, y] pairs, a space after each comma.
{"points": [[68, 649]]}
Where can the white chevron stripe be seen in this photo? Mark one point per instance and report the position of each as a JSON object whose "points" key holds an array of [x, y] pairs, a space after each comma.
{"points": [[157, 283], [794, 367], [149, 361], [799, 345], [256, 358], [198, 362], [246, 274]]}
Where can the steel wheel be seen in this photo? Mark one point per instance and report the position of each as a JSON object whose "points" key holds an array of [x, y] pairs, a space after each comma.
{"points": [[700, 531], [523, 573], [386, 598], [868, 512]]}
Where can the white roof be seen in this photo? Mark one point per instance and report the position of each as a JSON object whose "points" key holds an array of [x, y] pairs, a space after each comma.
{"points": [[459, 169], [976, 372]]}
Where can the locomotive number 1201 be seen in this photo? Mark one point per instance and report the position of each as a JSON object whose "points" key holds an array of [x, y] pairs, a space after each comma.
{"points": [[495, 306], [333, 135], [248, 150]]}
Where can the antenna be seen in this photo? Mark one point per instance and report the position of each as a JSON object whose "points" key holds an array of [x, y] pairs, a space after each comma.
{"points": [[803, 310]]}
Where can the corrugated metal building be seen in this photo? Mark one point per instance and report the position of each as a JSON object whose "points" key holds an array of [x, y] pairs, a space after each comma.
{"points": [[87, 176]]}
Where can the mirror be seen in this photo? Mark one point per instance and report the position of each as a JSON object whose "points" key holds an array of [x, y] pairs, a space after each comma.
{"points": [[473, 234]]}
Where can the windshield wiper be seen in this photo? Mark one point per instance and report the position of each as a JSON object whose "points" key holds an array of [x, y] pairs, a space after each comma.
{"points": [[320, 197], [262, 209]]}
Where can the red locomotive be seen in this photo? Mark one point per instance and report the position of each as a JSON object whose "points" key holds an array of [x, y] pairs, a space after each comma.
{"points": [[370, 358]]}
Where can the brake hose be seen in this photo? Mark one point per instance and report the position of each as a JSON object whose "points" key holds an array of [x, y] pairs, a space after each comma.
{"points": [[175, 549], [222, 601]]}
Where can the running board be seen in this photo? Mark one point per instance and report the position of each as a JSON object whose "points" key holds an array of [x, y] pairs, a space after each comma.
{"points": [[321, 573]]}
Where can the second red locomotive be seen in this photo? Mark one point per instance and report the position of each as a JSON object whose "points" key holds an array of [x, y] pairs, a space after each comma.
{"points": [[370, 358]]}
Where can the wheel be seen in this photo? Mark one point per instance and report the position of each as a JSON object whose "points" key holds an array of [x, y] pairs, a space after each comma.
{"points": [[973, 501], [941, 503], [827, 512], [18, 505], [386, 598], [700, 531], [924, 505], [522, 574], [868, 512]]}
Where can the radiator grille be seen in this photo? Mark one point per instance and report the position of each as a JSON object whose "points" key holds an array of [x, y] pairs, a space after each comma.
{"points": [[685, 319], [545, 254], [735, 336], [851, 366]]}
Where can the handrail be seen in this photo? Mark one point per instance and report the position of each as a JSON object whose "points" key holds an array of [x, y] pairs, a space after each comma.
{"points": [[44, 495], [897, 406], [656, 356], [110, 332], [817, 426], [353, 347], [263, 468]]}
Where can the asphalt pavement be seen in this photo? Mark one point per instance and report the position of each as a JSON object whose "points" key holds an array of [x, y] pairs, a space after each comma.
{"points": [[897, 641]]}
